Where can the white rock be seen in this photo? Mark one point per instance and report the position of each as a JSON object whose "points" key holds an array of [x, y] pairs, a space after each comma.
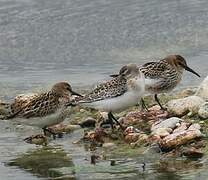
{"points": [[203, 111], [168, 123], [195, 126], [162, 132], [180, 107], [202, 91], [103, 114]]}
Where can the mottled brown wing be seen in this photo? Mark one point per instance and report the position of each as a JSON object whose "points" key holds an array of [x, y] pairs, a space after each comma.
{"points": [[38, 107], [153, 70], [112, 88]]}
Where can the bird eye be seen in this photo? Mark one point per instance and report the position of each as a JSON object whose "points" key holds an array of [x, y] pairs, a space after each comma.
{"points": [[68, 89]]}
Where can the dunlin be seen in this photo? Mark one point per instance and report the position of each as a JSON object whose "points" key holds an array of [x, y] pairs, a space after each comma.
{"points": [[45, 109], [116, 94], [164, 75]]}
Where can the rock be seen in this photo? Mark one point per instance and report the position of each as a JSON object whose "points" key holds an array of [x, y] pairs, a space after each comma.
{"points": [[104, 115], [88, 122], [179, 138], [82, 110], [154, 139], [97, 135], [180, 107], [5, 109], [152, 149], [203, 111], [168, 123], [143, 119], [158, 112], [131, 129], [132, 137], [192, 152], [61, 128], [162, 132], [69, 128], [184, 126], [202, 91], [199, 144], [186, 92], [38, 139], [194, 126], [143, 138]]}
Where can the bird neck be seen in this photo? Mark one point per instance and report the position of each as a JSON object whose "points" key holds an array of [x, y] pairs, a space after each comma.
{"points": [[136, 84]]}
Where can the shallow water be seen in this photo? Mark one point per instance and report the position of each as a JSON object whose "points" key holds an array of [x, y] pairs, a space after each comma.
{"points": [[82, 41]]}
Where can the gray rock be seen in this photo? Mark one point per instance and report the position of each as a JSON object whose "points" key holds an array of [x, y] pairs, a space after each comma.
{"points": [[203, 111], [168, 123], [5, 109], [180, 107], [202, 91], [88, 122]]}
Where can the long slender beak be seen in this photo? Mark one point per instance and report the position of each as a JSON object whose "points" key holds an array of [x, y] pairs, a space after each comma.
{"points": [[191, 70], [114, 75], [75, 93]]}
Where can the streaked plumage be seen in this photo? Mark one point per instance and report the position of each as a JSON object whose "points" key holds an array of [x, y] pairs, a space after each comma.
{"points": [[116, 94], [44, 109], [161, 76], [164, 75]]}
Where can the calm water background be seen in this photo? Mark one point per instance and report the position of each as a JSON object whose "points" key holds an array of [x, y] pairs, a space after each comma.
{"points": [[82, 41]]}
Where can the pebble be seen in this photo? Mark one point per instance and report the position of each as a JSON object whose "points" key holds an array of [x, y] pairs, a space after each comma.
{"points": [[202, 91]]}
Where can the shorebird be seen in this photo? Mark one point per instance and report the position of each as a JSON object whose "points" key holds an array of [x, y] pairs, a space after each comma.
{"points": [[116, 94], [45, 109], [164, 75]]}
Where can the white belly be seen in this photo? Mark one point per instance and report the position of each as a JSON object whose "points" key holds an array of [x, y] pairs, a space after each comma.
{"points": [[116, 104], [42, 122]]}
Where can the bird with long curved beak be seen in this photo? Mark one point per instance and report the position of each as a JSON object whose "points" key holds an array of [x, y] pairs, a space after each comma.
{"points": [[164, 75]]}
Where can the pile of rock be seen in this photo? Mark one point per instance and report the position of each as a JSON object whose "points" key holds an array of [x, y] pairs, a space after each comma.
{"points": [[191, 105]]}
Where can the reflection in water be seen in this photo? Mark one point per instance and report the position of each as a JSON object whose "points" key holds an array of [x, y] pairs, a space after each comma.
{"points": [[176, 169], [44, 162]]}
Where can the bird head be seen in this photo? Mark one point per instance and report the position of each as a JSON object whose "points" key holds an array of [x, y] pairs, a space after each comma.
{"points": [[130, 71], [63, 89], [179, 63]]}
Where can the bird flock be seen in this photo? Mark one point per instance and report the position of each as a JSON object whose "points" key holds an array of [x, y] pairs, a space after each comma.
{"points": [[125, 89]]}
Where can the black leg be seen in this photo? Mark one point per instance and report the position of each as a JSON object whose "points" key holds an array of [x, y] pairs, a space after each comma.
{"points": [[143, 166], [144, 107], [110, 119], [45, 129], [157, 100], [113, 118]]}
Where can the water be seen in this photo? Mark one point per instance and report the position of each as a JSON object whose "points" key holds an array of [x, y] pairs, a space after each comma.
{"points": [[82, 41]]}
